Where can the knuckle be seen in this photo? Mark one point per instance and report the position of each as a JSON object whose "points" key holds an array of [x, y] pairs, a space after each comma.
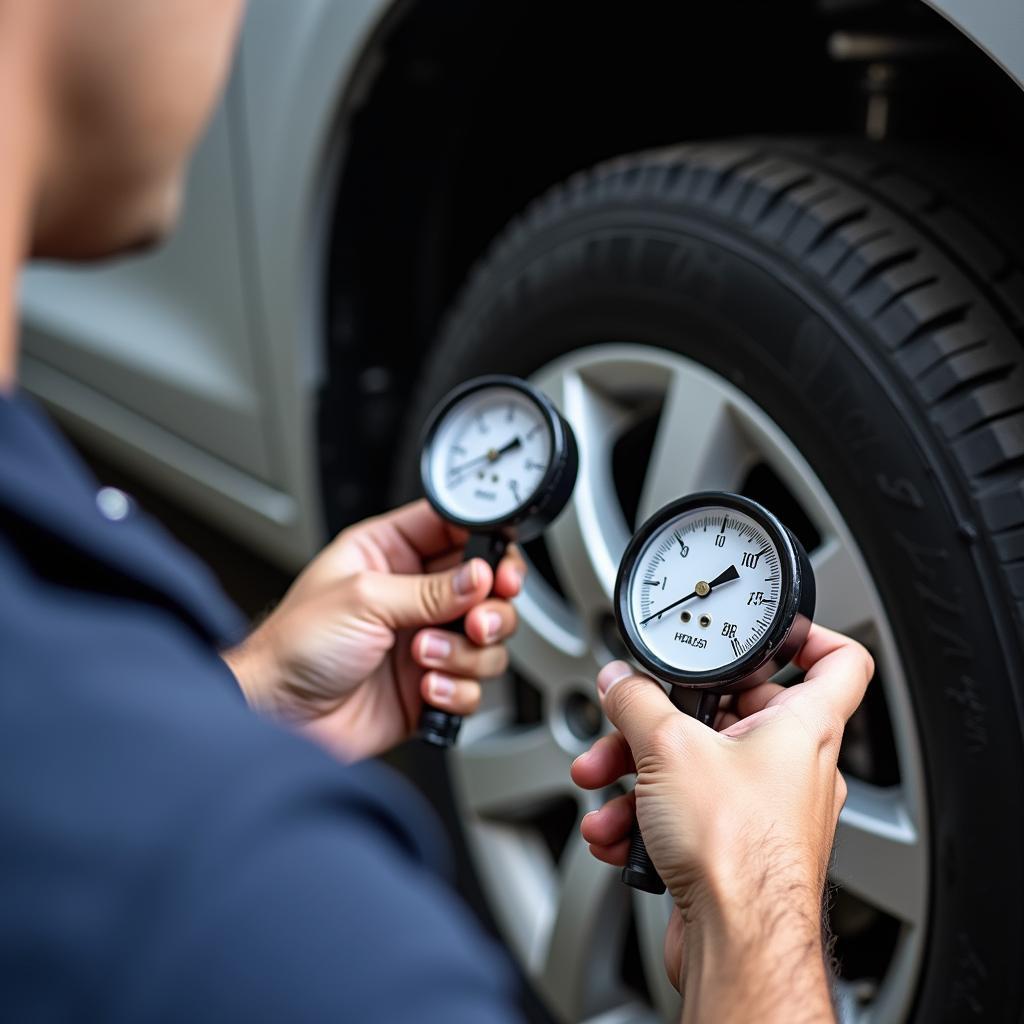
{"points": [[362, 585], [830, 730], [664, 740], [432, 596]]}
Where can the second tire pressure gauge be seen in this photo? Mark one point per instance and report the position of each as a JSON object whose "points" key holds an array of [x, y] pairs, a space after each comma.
{"points": [[713, 594], [499, 460]]}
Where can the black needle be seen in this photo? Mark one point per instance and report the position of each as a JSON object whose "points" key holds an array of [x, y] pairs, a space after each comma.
{"points": [[491, 455], [727, 576]]}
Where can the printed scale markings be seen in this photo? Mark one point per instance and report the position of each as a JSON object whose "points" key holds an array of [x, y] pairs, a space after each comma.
{"points": [[665, 569]]}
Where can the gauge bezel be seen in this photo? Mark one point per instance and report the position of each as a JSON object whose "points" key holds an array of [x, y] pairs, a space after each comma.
{"points": [[550, 495], [787, 631]]}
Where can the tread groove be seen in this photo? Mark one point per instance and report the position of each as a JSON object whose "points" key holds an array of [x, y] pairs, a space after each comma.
{"points": [[874, 236], [987, 421], [828, 232], [992, 376], [781, 194], [946, 357], [902, 293], [948, 319], [880, 268]]}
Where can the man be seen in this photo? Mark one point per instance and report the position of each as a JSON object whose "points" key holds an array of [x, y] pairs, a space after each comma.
{"points": [[166, 853]]}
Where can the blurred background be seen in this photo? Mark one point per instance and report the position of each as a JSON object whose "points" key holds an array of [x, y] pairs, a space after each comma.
{"points": [[774, 248]]}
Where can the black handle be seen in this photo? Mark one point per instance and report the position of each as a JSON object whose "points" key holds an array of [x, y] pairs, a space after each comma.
{"points": [[640, 872], [437, 727]]}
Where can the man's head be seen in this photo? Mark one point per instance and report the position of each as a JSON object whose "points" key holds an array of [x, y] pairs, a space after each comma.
{"points": [[130, 86]]}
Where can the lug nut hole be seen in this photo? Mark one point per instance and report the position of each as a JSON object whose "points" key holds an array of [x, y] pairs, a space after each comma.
{"points": [[582, 716]]}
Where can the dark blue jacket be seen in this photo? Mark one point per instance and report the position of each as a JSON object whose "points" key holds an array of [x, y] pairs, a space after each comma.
{"points": [[164, 853]]}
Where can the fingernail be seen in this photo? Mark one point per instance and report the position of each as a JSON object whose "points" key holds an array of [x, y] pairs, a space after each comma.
{"points": [[441, 687], [436, 647], [614, 672], [492, 625], [464, 581]]}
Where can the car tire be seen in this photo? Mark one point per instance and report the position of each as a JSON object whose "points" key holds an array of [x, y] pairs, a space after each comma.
{"points": [[853, 296]]}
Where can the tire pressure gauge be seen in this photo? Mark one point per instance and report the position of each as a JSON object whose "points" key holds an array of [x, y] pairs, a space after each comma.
{"points": [[500, 461], [713, 594]]}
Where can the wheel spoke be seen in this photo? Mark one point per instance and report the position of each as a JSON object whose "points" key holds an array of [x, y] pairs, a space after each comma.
{"points": [[700, 443], [878, 853], [513, 770], [517, 863], [548, 647], [580, 961], [652, 916], [588, 538], [844, 591]]}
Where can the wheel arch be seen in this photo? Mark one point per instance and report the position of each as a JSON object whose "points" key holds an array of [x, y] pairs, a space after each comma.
{"points": [[996, 28]]}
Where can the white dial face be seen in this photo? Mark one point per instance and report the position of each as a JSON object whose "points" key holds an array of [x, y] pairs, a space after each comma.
{"points": [[489, 454], [705, 589]]}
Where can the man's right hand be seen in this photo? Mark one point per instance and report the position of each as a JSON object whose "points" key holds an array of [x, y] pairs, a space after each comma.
{"points": [[739, 824]]}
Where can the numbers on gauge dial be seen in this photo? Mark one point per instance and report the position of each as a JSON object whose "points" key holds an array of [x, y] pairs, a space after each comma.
{"points": [[705, 589], [489, 454]]}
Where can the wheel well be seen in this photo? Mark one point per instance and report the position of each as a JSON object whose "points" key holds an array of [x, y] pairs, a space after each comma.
{"points": [[468, 111]]}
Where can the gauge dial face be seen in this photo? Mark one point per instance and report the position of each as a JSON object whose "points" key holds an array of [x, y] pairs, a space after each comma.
{"points": [[705, 589], [489, 454]]}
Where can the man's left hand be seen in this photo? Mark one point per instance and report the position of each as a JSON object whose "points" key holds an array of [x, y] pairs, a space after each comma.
{"points": [[349, 655]]}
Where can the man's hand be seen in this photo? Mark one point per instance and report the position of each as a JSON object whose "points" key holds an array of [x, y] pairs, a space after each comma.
{"points": [[739, 824], [345, 655]]}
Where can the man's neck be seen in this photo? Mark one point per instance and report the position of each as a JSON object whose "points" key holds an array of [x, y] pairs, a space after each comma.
{"points": [[22, 114]]}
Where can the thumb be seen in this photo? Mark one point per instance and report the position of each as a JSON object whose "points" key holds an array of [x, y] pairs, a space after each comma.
{"points": [[635, 704], [407, 601]]}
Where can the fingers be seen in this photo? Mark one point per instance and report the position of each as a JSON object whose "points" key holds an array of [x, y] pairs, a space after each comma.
{"points": [[605, 762], [607, 831], [421, 528], [448, 560], [456, 655], [636, 705], [749, 702], [450, 693], [491, 622], [820, 643], [403, 601], [614, 855], [612, 823], [508, 580], [838, 672]]}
